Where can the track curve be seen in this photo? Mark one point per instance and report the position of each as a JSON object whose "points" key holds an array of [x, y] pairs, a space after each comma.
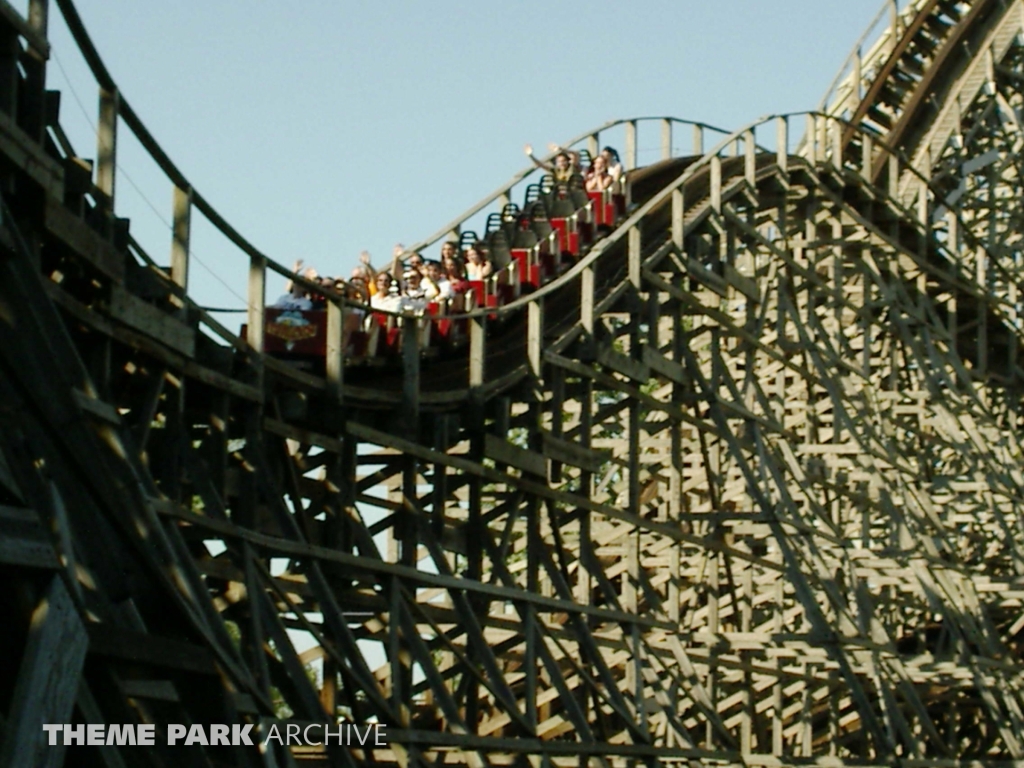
{"points": [[742, 486]]}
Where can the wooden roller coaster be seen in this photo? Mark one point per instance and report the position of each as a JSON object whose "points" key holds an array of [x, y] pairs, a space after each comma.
{"points": [[743, 485]]}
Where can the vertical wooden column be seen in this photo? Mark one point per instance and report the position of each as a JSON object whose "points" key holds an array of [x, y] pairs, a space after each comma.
{"points": [[584, 581], [335, 360], [47, 682], [474, 554], [477, 349], [631, 145], [10, 51], [776, 663], [747, 697], [678, 209], [398, 656], [806, 728], [749, 158], [698, 140], [812, 141], [676, 505], [835, 133], [982, 279], [257, 302], [411, 374], [39, 15], [716, 184], [34, 64], [782, 143], [594, 144], [712, 627], [635, 256], [106, 145], [534, 543], [666, 138], [867, 150], [535, 337], [180, 235], [634, 668], [894, 20], [858, 75], [587, 300]]}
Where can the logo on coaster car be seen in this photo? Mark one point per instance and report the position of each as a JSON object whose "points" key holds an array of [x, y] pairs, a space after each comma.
{"points": [[292, 327]]}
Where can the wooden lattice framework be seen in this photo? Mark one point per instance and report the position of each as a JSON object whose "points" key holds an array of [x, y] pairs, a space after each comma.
{"points": [[743, 486]]}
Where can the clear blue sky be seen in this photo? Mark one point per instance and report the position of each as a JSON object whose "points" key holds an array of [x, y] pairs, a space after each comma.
{"points": [[322, 128]]}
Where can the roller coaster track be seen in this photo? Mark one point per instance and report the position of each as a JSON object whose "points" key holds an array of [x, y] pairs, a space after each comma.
{"points": [[743, 486]]}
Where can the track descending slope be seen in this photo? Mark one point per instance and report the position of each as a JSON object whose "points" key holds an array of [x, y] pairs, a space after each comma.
{"points": [[743, 486]]}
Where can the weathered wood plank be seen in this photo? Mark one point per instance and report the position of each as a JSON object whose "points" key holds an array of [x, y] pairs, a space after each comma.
{"points": [[305, 436], [47, 680], [667, 368], [139, 648], [158, 690], [29, 156], [7, 481], [623, 364], [567, 452], [151, 321], [166, 356], [24, 541], [84, 240], [505, 452], [99, 409], [24, 28]]}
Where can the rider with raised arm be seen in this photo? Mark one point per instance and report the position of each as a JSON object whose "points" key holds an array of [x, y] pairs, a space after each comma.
{"points": [[565, 165], [365, 271]]}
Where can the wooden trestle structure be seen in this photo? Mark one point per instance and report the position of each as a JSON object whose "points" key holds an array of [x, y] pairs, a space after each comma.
{"points": [[743, 486]]}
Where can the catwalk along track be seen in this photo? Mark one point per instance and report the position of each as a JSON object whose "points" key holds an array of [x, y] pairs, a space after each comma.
{"points": [[740, 485]]}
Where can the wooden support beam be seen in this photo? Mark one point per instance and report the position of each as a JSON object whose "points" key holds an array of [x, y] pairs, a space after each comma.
{"points": [[477, 350], [106, 145], [147, 319], [83, 240], [634, 256], [335, 353], [181, 216], [716, 184], [631, 147], [678, 213], [29, 156], [535, 337], [587, 299], [24, 541], [38, 21], [411, 371], [811, 137], [257, 302], [835, 132], [782, 142], [505, 452], [749, 158], [47, 682]]}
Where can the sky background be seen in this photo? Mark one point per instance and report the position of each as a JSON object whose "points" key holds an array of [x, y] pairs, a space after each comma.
{"points": [[319, 129]]}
